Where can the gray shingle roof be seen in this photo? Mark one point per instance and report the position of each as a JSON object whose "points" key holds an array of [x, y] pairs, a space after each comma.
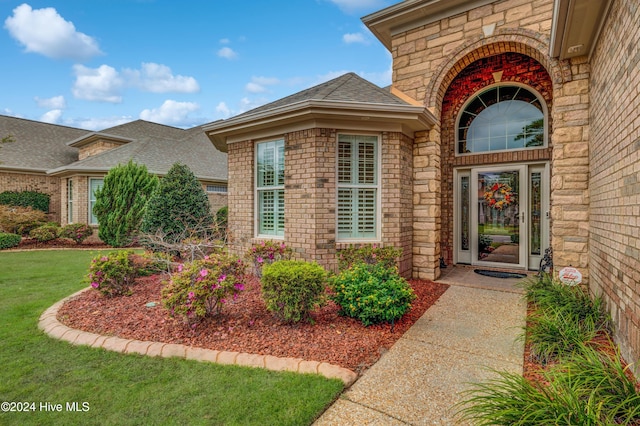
{"points": [[38, 146], [347, 88], [43, 147]]}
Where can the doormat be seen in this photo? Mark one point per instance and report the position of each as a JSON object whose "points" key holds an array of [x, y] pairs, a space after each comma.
{"points": [[499, 274]]}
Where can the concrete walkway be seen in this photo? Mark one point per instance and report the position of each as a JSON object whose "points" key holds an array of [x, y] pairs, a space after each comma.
{"points": [[467, 332]]}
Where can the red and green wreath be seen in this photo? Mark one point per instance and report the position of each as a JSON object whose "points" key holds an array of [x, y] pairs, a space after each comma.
{"points": [[499, 196]]}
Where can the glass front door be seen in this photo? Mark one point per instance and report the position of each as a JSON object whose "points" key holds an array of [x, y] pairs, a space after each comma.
{"points": [[501, 216]]}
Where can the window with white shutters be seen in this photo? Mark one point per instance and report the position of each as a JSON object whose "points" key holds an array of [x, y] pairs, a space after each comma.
{"points": [[358, 187], [270, 188]]}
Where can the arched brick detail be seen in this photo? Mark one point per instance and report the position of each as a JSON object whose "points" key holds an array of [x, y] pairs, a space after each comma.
{"points": [[468, 80], [526, 42]]}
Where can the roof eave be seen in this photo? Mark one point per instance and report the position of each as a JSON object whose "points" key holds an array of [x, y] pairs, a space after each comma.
{"points": [[94, 136], [414, 117], [576, 26]]}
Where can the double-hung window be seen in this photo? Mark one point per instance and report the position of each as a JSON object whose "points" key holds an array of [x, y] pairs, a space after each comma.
{"points": [[358, 187], [270, 188], [94, 185]]}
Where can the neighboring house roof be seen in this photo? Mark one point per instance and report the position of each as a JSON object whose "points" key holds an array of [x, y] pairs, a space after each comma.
{"points": [[37, 146], [348, 97], [47, 148]]}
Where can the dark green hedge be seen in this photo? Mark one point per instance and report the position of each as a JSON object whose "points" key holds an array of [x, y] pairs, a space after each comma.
{"points": [[35, 200]]}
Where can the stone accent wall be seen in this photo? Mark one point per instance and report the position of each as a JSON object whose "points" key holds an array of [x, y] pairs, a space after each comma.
{"points": [[310, 196], [95, 148], [614, 179], [35, 182]]}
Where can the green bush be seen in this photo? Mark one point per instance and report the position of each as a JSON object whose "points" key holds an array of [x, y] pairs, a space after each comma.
{"points": [[33, 199], [113, 274], [292, 289], [121, 202], [372, 293], [179, 207], [201, 288], [77, 232], [369, 254], [20, 220], [45, 233], [9, 240]]}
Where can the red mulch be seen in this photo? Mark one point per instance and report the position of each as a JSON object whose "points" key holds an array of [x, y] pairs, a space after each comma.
{"points": [[246, 326]]}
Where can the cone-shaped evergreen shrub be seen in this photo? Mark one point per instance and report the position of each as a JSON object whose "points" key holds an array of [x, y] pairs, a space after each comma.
{"points": [[179, 208], [121, 202]]}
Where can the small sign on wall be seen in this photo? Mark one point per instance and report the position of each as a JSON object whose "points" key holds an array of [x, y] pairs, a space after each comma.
{"points": [[570, 276]]}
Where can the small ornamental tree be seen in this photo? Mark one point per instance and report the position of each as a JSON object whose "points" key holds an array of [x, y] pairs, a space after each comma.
{"points": [[121, 202], [178, 205]]}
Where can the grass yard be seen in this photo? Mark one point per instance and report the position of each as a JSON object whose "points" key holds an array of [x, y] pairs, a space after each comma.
{"points": [[112, 388]]}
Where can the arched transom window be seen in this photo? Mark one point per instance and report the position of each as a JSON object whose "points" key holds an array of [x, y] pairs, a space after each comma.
{"points": [[501, 118]]}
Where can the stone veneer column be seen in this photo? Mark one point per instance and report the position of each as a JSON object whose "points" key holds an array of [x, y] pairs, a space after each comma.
{"points": [[427, 220], [570, 172]]}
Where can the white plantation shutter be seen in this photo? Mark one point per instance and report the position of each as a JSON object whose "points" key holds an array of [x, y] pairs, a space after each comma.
{"points": [[270, 188], [357, 186], [94, 185]]}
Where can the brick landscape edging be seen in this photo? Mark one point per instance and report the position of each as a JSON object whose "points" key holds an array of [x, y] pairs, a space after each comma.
{"points": [[51, 326]]}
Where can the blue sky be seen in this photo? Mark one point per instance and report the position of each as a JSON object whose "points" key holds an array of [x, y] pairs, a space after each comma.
{"points": [[94, 64]]}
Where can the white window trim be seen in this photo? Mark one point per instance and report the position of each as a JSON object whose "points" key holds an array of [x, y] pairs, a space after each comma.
{"points": [[378, 188], [545, 113], [257, 191], [91, 200]]}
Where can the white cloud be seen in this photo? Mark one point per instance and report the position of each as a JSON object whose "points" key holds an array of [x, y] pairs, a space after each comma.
{"points": [[227, 53], [56, 102], [359, 6], [223, 110], [44, 31], [97, 84], [98, 123], [170, 112], [225, 41], [157, 78], [354, 38], [52, 117], [258, 84]]}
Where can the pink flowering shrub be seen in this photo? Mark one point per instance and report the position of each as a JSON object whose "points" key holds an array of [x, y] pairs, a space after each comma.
{"points": [[370, 254], [113, 274], [77, 232], [267, 252], [201, 288]]}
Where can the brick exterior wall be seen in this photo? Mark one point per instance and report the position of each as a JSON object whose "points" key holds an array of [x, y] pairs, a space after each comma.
{"points": [[310, 195], [95, 148], [34, 182], [614, 179], [426, 61]]}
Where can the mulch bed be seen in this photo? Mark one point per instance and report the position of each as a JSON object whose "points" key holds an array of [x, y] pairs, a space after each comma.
{"points": [[246, 326], [60, 243]]}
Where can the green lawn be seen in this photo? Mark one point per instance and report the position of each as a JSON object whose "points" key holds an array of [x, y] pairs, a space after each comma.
{"points": [[122, 389]]}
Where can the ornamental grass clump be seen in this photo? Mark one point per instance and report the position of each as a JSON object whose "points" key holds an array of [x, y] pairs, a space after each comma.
{"points": [[292, 289], [201, 288], [265, 253], [372, 294], [113, 274]]}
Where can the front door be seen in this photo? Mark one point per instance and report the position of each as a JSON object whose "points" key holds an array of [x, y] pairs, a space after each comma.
{"points": [[501, 216]]}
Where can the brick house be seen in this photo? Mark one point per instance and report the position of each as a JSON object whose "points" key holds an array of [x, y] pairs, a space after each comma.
{"points": [[510, 127], [69, 164]]}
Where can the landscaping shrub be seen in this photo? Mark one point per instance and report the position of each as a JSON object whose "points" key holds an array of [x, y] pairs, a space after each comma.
{"points": [[77, 232], [20, 220], [179, 207], [369, 254], [121, 202], [9, 240], [222, 218], [267, 252], [45, 233], [201, 288], [33, 199], [292, 289], [372, 293], [113, 274]]}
